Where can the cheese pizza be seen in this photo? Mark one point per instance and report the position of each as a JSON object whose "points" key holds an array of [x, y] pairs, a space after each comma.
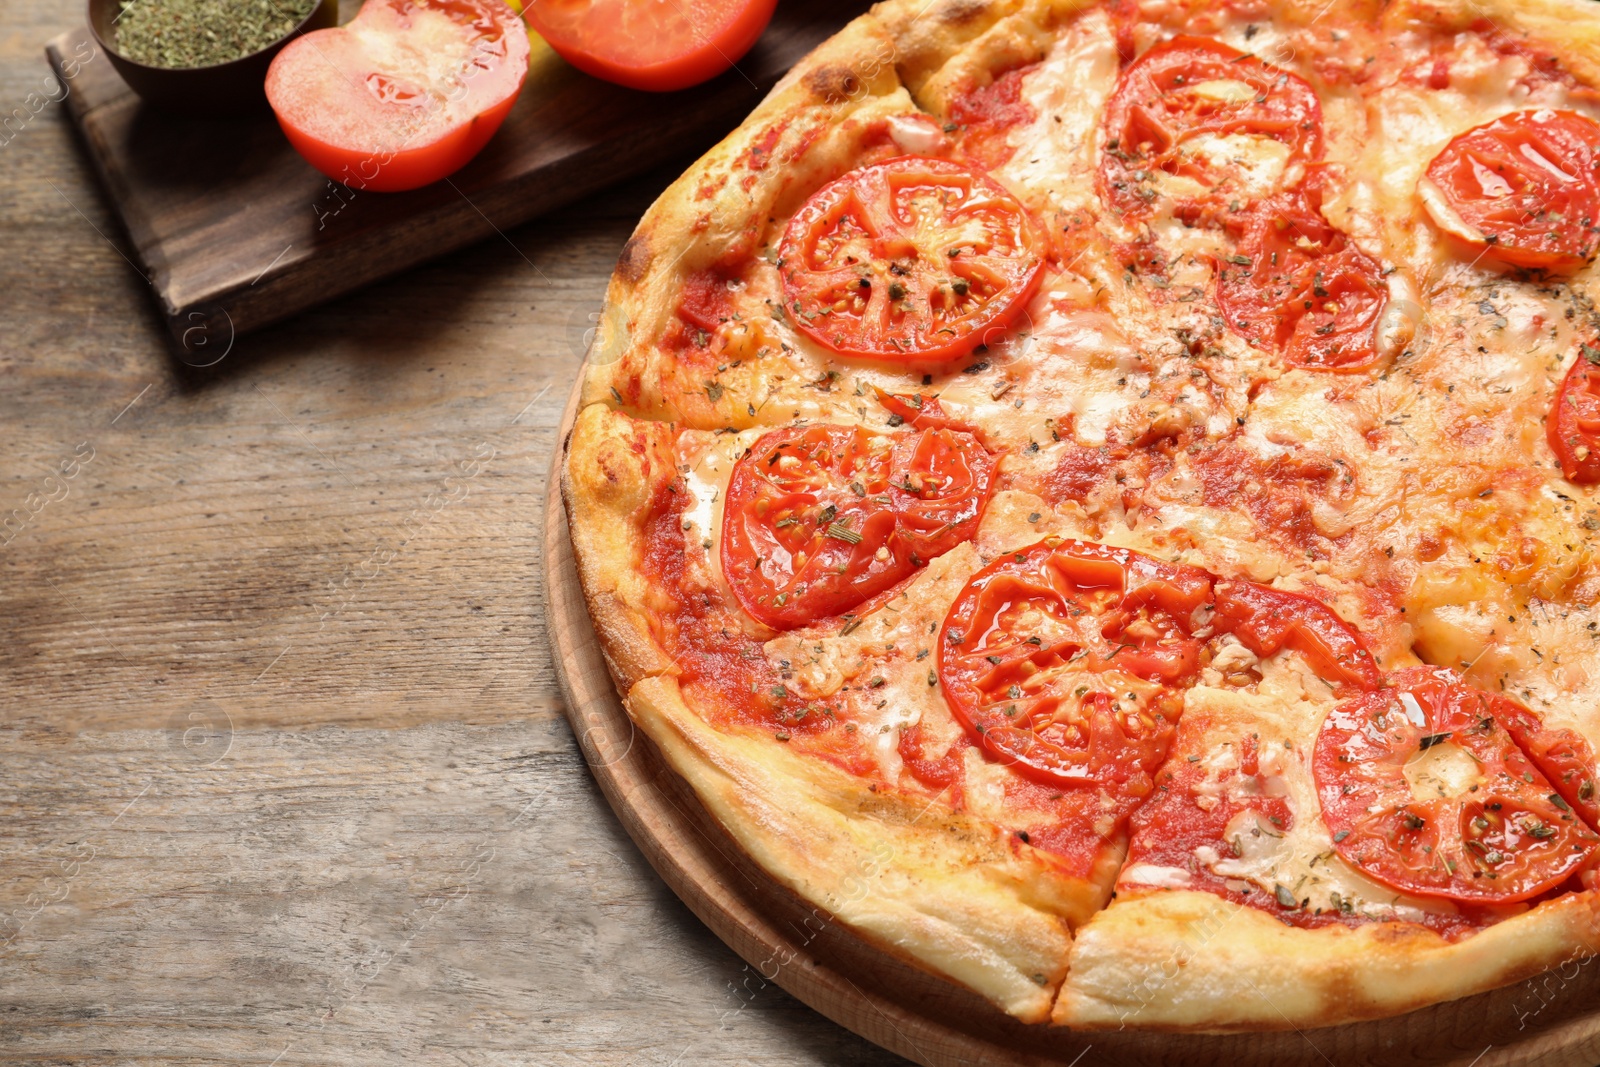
{"points": [[1100, 497]]}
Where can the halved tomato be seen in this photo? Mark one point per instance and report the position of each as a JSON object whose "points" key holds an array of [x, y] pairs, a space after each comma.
{"points": [[1060, 660], [819, 519], [1574, 423], [403, 95], [1299, 287], [914, 260], [651, 44], [1188, 90], [1425, 790], [1522, 187]]}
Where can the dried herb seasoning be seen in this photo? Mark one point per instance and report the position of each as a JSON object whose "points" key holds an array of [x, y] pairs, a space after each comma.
{"points": [[202, 33]]}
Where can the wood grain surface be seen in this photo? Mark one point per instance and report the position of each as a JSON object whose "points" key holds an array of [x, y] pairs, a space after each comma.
{"points": [[283, 775], [284, 778], [1553, 1020], [234, 230]]}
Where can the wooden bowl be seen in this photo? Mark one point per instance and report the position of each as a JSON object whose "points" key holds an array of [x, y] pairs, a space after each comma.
{"points": [[231, 88]]}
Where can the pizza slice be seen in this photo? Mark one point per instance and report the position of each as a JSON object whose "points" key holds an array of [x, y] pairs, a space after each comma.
{"points": [[1310, 855], [788, 736]]}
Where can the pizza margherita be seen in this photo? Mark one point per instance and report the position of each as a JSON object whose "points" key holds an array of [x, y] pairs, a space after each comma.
{"points": [[1120, 479]]}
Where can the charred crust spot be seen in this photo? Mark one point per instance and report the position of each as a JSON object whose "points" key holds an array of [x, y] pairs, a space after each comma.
{"points": [[634, 260], [834, 84]]}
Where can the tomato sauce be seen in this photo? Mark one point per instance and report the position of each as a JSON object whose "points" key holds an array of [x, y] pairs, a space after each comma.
{"points": [[1188, 813], [759, 154], [724, 672], [1080, 471], [703, 306], [1084, 824], [937, 774], [988, 113], [1278, 492]]}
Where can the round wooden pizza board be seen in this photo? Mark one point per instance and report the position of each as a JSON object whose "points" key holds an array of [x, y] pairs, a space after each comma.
{"points": [[1551, 1020]]}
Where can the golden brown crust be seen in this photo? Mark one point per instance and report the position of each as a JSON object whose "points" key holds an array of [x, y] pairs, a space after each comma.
{"points": [[949, 56], [1566, 29], [614, 468], [1187, 961], [927, 36], [949, 893]]}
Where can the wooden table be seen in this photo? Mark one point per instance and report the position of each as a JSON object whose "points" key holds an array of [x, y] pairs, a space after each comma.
{"points": [[283, 774]]}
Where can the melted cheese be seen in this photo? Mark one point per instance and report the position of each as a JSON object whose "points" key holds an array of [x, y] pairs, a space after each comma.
{"points": [[1443, 770], [1059, 152], [1256, 166], [1297, 861]]}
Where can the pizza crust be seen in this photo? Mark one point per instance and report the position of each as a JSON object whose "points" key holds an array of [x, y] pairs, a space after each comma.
{"points": [[1188, 961], [1566, 29], [612, 471], [943, 891]]}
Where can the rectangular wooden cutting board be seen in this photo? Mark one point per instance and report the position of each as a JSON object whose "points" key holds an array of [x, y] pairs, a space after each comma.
{"points": [[234, 230]]}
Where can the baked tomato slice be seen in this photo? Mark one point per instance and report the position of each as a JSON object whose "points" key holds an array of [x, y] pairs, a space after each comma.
{"points": [[1523, 188], [1574, 423], [1298, 287], [818, 519], [1178, 111], [1062, 660], [914, 260], [1266, 620], [403, 95], [659, 45], [1425, 790], [939, 481], [1561, 755]]}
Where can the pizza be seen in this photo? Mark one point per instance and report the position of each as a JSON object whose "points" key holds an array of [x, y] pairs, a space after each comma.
{"points": [[1101, 498]]}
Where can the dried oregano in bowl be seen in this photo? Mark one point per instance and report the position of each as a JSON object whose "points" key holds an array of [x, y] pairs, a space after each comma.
{"points": [[202, 33]]}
